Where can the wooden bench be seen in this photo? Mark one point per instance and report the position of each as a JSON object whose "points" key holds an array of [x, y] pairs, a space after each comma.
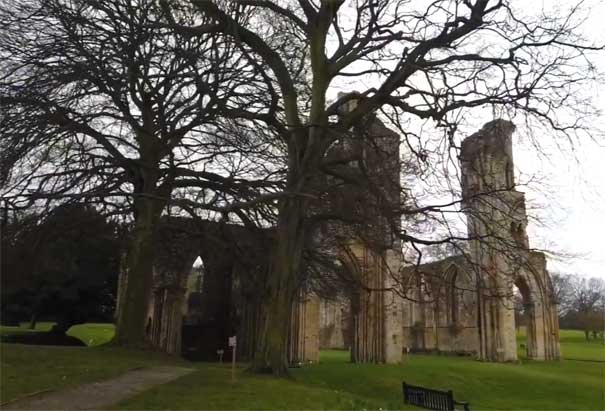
{"points": [[431, 399]]}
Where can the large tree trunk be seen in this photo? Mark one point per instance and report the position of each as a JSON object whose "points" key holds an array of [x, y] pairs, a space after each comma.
{"points": [[281, 287], [132, 315]]}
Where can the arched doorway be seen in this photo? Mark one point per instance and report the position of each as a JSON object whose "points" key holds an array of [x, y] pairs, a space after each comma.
{"points": [[525, 319], [376, 329], [537, 311]]}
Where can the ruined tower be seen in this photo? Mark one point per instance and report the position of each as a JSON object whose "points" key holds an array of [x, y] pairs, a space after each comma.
{"points": [[374, 253], [499, 251]]}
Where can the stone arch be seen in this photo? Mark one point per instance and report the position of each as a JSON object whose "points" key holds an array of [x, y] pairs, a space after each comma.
{"points": [[235, 261], [535, 287], [452, 294], [501, 252], [521, 282], [175, 255], [427, 316], [375, 310], [366, 306], [509, 175]]}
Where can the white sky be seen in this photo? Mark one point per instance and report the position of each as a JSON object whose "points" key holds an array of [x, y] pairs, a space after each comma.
{"points": [[569, 205], [566, 206], [573, 198]]}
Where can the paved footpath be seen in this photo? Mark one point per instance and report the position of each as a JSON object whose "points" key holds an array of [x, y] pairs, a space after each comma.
{"points": [[99, 395]]}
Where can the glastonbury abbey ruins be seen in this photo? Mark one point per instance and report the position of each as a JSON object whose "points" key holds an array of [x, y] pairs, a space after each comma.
{"points": [[464, 303], [461, 304]]}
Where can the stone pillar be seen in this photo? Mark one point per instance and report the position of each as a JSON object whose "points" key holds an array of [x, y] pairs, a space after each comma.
{"points": [[172, 320], [496, 220], [312, 329], [547, 319], [332, 325], [303, 336], [507, 348], [376, 312], [540, 331], [393, 306], [367, 307]]}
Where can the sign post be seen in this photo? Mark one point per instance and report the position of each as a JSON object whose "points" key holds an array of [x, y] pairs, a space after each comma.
{"points": [[233, 345]]}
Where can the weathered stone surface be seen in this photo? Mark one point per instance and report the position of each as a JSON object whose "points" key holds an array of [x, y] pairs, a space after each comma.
{"points": [[333, 325], [464, 303], [303, 344], [440, 307], [461, 304], [500, 253]]}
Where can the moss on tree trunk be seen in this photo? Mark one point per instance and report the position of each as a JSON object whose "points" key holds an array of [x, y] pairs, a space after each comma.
{"points": [[132, 316], [281, 287]]}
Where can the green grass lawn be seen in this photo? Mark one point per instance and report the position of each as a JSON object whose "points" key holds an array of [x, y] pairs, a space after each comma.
{"points": [[561, 385], [91, 334], [210, 388], [25, 369], [332, 384], [574, 345], [337, 384]]}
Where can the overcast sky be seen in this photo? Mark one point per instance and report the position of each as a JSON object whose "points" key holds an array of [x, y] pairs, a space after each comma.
{"points": [[566, 202], [566, 205], [573, 197]]}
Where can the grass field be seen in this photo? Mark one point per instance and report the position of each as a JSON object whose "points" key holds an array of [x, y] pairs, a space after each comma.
{"points": [[337, 384], [91, 334], [332, 384], [27, 369], [574, 345]]}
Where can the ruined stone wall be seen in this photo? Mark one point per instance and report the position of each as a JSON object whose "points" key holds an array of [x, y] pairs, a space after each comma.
{"points": [[440, 311], [489, 200], [303, 341], [333, 324], [475, 312], [370, 251], [455, 305], [497, 222], [375, 307]]}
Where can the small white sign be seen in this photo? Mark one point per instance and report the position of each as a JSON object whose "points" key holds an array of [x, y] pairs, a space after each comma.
{"points": [[232, 341]]}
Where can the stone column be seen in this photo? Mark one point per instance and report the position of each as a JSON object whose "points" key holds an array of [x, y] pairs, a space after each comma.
{"points": [[393, 306], [377, 312], [303, 336], [172, 320], [507, 349]]}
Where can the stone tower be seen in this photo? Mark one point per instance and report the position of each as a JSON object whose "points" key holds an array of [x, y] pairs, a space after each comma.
{"points": [[374, 254], [499, 250]]}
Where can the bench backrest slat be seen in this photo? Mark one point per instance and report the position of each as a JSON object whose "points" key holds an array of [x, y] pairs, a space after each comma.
{"points": [[428, 398]]}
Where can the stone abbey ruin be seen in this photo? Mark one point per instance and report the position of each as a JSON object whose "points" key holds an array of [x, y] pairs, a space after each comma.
{"points": [[462, 304]]}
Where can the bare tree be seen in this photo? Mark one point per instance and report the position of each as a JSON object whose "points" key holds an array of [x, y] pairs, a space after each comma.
{"points": [[588, 303], [132, 104], [562, 285], [433, 64], [103, 104]]}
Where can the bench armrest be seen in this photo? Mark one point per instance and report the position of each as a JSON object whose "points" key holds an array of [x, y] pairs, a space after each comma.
{"points": [[464, 404]]}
